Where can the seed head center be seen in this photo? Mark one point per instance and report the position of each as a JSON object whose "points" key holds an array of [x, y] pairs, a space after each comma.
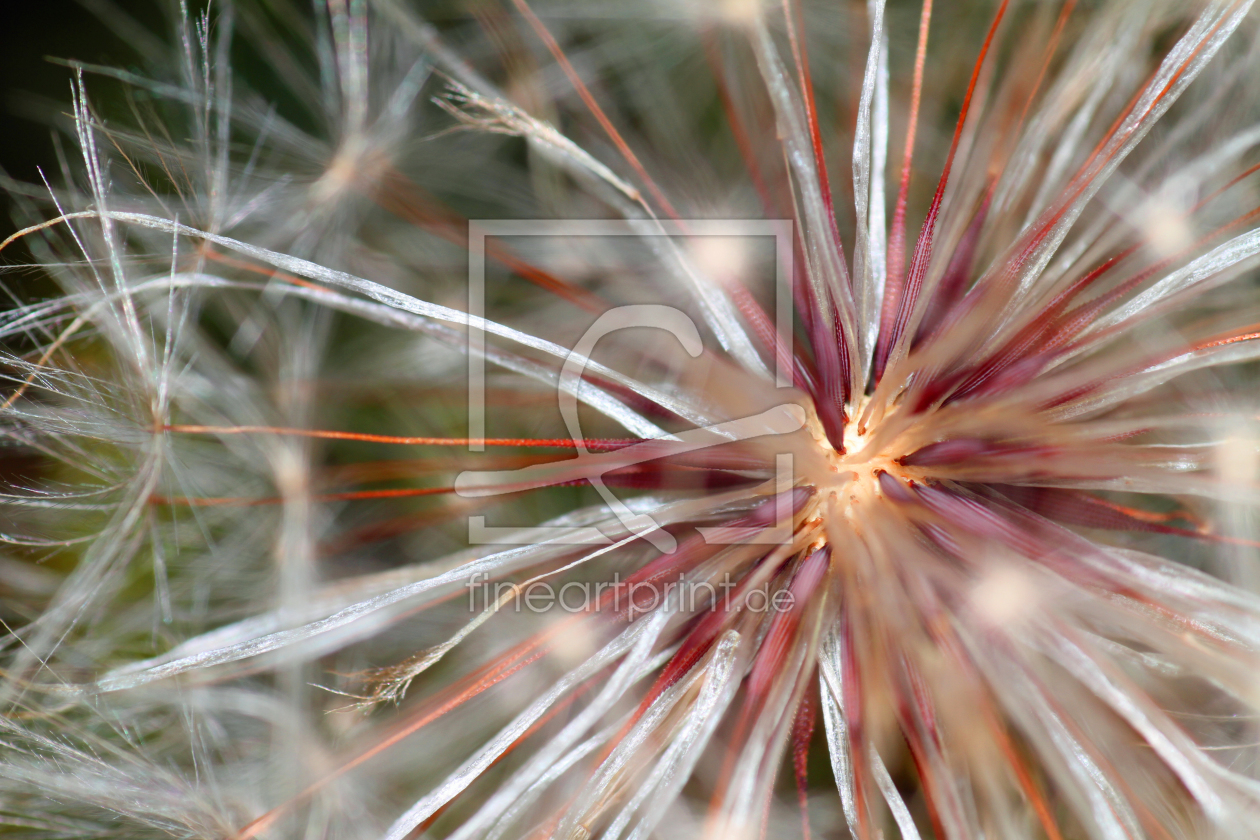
{"points": [[851, 477]]}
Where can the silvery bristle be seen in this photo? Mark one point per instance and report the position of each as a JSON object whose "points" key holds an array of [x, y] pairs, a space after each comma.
{"points": [[640, 419]]}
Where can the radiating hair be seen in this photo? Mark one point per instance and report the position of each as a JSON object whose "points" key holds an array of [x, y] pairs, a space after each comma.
{"points": [[356, 489]]}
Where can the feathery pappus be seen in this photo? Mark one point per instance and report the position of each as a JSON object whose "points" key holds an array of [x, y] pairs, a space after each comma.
{"points": [[555, 419]]}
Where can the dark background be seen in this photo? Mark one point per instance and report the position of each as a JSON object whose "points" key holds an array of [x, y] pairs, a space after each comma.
{"points": [[34, 90]]}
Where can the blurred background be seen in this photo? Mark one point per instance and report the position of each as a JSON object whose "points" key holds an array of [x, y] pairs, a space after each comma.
{"points": [[36, 37]]}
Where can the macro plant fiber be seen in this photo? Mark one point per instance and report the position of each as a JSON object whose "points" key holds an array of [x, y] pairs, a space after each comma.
{"points": [[639, 419]]}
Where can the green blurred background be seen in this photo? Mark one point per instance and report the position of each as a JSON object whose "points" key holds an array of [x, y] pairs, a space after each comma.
{"points": [[35, 88]]}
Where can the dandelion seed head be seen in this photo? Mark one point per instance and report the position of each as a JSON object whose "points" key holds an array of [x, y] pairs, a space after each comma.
{"points": [[438, 464]]}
